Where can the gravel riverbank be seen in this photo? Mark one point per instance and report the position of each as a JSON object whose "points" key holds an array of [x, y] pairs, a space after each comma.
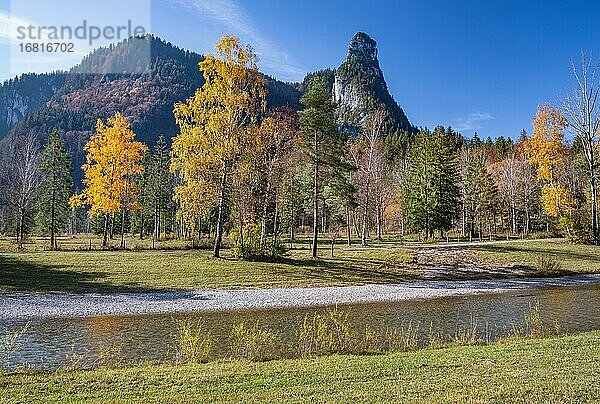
{"points": [[30, 305]]}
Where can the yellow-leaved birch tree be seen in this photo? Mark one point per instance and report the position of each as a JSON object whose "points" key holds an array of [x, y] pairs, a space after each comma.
{"points": [[112, 161], [215, 130]]}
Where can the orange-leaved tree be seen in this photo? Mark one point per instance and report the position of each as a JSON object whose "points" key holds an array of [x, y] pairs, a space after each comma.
{"points": [[216, 127], [546, 150], [113, 160]]}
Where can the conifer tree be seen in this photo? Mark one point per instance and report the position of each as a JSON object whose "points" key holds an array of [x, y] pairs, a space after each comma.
{"points": [[159, 184], [432, 189], [55, 187], [447, 178], [479, 189], [323, 143]]}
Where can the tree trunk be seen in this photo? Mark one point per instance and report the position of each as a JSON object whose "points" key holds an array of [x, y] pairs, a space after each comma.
{"points": [[53, 219], [514, 218], [594, 212], [379, 224], [263, 219], [348, 230], [141, 225], [123, 228], [315, 199], [20, 228], [402, 226], [365, 215], [355, 224], [219, 229], [105, 233], [315, 203], [275, 223], [292, 229], [156, 224]]}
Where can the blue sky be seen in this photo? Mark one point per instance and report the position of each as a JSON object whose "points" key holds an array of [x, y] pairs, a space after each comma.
{"points": [[479, 66]]}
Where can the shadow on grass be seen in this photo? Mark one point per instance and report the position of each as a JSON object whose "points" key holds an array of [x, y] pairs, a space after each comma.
{"points": [[556, 252], [343, 271], [21, 275]]}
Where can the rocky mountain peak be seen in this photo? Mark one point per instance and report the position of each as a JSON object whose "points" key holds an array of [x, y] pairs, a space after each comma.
{"points": [[359, 87], [362, 46]]}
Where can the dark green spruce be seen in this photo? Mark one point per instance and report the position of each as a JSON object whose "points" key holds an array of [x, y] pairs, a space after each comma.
{"points": [[432, 190], [55, 187]]}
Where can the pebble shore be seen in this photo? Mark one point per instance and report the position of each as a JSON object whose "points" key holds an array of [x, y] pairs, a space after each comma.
{"points": [[33, 305]]}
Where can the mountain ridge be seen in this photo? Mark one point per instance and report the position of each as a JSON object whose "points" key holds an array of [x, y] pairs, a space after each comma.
{"points": [[72, 101]]}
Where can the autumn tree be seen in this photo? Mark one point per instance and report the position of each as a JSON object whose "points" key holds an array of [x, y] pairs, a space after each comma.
{"points": [[275, 140], [323, 143], [55, 187], [216, 128], [112, 162], [546, 151], [517, 188], [581, 109]]}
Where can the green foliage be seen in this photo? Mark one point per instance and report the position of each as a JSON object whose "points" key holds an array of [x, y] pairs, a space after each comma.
{"points": [[156, 188], [324, 144], [325, 75], [561, 369], [478, 188], [55, 187], [535, 327], [247, 245], [432, 189]]}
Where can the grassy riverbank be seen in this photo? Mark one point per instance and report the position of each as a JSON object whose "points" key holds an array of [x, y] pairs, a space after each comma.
{"points": [[150, 270], [559, 369]]}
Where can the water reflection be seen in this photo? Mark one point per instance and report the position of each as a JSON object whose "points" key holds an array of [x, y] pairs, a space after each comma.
{"points": [[53, 342]]}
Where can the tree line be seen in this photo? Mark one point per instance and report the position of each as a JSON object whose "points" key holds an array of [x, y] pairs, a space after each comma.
{"points": [[261, 176]]}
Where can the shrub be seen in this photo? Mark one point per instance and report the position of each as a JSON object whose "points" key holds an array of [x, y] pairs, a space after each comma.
{"points": [[325, 333], [193, 343], [247, 245], [549, 265], [252, 343], [533, 322]]}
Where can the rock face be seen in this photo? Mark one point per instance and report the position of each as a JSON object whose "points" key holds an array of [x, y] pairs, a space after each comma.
{"points": [[359, 87], [25, 94]]}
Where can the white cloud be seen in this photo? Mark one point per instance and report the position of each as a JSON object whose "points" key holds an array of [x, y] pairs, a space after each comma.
{"points": [[472, 121], [237, 21], [8, 26]]}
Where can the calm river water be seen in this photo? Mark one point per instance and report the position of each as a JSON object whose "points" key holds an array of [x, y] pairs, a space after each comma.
{"points": [[50, 342]]}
